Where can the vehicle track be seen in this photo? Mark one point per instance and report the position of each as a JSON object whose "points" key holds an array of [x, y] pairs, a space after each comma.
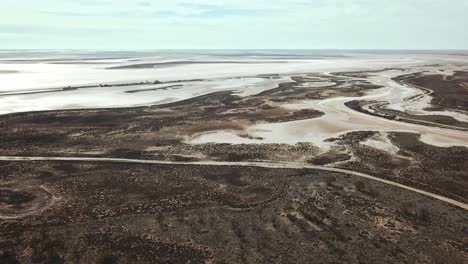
{"points": [[279, 165]]}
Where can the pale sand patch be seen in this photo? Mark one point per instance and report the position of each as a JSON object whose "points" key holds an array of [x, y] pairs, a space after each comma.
{"points": [[223, 137], [8, 71], [382, 142], [247, 89], [339, 119], [44, 75], [113, 97], [421, 100], [317, 84]]}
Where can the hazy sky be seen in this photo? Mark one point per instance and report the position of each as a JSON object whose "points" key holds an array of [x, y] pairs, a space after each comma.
{"points": [[234, 24]]}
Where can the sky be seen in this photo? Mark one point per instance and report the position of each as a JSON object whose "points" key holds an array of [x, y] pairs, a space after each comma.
{"points": [[233, 24]]}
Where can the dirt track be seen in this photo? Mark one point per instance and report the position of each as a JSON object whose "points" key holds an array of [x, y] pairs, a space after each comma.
{"points": [[288, 165]]}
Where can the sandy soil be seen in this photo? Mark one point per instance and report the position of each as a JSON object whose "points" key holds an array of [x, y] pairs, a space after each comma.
{"points": [[318, 168], [339, 119], [163, 213], [125, 95]]}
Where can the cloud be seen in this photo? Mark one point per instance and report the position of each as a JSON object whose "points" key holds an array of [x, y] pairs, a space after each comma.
{"points": [[47, 30], [145, 3], [220, 24], [72, 14], [146, 8], [216, 11]]}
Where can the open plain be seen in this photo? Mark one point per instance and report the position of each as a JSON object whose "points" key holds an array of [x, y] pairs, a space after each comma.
{"points": [[234, 158]]}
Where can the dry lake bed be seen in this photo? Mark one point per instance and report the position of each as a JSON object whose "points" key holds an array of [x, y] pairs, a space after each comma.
{"points": [[233, 157]]}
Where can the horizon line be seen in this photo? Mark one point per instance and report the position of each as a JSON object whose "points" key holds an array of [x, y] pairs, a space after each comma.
{"points": [[233, 49]]}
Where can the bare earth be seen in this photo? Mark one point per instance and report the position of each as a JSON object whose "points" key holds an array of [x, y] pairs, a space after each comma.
{"points": [[363, 166]]}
